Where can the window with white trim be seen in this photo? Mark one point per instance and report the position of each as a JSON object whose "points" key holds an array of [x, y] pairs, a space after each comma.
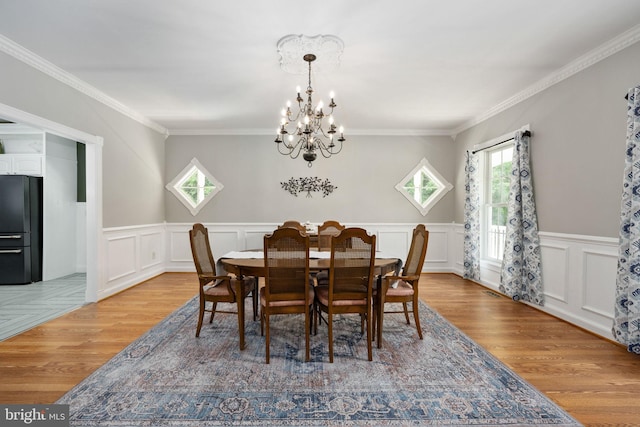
{"points": [[194, 186], [423, 186], [497, 172]]}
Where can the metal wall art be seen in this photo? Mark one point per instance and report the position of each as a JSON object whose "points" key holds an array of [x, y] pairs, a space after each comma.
{"points": [[308, 184]]}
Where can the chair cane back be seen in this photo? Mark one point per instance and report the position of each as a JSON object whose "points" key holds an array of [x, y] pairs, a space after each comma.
{"points": [[404, 288], [288, 288], [214, 288], [325, 231], [350, 288]]}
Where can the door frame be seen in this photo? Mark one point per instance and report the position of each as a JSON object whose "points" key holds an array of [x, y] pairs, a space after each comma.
{"points": [[93, 153]]}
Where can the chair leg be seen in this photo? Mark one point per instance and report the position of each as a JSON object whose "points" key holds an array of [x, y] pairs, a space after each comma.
{"points": [[240, 302], [213, 311], [380, 321], [375, 319], [369, 350], [267, 340], [316, 318], [200, 317], [307, 332], [330, 326], [256, 287], [416, 315], [406, 312]]}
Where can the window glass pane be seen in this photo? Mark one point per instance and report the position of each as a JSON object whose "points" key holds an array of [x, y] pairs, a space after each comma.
{"points": [[497, 195], [421, 187], [196, 186]]}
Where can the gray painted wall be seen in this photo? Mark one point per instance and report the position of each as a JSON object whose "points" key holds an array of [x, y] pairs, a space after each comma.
{"points": [[365, 172], [577, 148], [577, 153], [133, 154]]}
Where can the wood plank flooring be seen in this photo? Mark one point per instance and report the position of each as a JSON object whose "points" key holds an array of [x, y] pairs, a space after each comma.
{"points": [[595, 380]]}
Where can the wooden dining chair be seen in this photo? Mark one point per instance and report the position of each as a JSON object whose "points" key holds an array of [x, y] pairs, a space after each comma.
{"points": [[404, 288], [213, 288], [295, 225], [350, 288], [326, 230], [288, 288]]}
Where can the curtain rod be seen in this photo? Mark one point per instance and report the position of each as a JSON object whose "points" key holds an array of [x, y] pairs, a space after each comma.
{"points": [[525, 133]]}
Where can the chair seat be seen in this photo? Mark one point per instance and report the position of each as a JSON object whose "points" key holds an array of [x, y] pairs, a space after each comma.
{"points": [[403, 289], [287, 303], [322, 294], [219, 289], [322, 278]]}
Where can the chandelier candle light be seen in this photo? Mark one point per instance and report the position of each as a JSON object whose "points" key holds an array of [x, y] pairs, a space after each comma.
{"points": [[311, 136]]}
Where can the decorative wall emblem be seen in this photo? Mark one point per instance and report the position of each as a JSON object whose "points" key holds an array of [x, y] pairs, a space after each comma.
{"points": [[308, 184]]}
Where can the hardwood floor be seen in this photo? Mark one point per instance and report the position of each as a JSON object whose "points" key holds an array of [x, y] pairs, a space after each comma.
{"points": [[595, 380]]}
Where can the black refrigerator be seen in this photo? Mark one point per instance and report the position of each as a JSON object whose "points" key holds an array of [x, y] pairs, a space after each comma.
{"points": [[20, 229]]}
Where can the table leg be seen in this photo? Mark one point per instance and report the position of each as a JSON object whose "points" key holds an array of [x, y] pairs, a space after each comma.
{"points": [[256, 296], [240, 302]]}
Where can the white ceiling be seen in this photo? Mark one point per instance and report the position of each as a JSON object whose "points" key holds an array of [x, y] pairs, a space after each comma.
{"points": [[410, 66]]}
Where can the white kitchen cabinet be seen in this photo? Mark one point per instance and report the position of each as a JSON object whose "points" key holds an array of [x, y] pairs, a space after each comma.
{"points": [[22, 164], [24, 150]]}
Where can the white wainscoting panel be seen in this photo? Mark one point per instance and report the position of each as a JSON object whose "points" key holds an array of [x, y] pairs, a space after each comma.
{"points": [[121, 266], [394, 242], [150, 256], [134, 254], [599, 275], [579, 272], [555, 272]]}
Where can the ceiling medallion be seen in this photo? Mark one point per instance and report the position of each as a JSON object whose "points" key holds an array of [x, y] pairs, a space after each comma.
{"points": [[303, 132], [326, 48]]}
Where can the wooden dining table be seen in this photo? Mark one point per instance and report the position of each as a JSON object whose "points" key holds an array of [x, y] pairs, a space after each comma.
{"points": [[251, 263]]}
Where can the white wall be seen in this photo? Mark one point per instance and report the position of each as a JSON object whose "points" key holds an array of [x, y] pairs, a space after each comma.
{"points": [[60, 229]]}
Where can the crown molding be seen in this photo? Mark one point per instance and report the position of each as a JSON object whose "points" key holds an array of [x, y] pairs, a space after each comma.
{"points": [[354, 132], [596, 55], [15, 50]]}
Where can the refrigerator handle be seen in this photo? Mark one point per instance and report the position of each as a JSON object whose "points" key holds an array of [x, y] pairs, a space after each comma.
{"points": [[11, 251], [15, 236]]}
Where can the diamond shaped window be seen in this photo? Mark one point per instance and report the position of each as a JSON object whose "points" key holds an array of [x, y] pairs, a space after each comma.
{"points": [[423, 186], [194, 186]]}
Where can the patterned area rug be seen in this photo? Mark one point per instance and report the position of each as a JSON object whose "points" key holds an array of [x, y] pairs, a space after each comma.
{"points": [[170, 378]]}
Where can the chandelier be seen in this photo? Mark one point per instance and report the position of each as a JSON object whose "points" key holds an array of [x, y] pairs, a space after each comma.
{"points": [[306, 132]]}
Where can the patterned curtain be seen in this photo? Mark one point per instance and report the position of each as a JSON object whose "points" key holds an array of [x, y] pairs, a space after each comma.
{"points": [[626, 325], [521, 276], [471, 219]]}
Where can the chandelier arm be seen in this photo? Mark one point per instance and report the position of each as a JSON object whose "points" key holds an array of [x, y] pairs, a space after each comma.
{"points": [[289, 150], [295, 150], [325, 149]]}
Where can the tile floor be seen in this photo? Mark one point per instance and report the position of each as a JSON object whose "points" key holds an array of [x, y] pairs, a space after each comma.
{"points": [[23, 307]]}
